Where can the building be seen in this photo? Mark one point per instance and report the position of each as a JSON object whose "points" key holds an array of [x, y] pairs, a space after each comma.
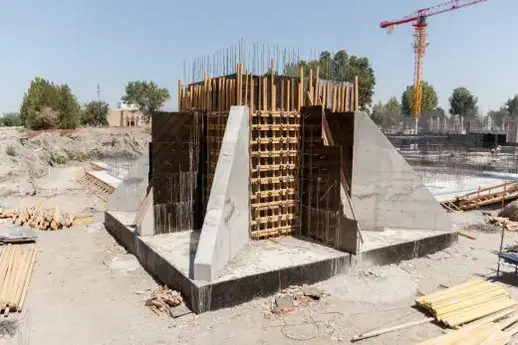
{"points": [[125, 115]]}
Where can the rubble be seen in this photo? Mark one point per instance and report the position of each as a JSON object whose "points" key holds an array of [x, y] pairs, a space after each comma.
{"points": [[162, 299]]}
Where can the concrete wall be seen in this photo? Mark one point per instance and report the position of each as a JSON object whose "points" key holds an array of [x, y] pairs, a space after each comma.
{"points": [[133, 188], [385, 190], [225, 227]]}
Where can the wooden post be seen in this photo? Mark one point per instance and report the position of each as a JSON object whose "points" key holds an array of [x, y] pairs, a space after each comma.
{"points": [[239, 84], [288, 89], [347, 99], [259, 98], [356, 94], [478, 197], [273, 91], [301, 89], [246, 89], [265, 93], [310, 85], [179, 95], [282, 94], [252, 93], [316, 97]]}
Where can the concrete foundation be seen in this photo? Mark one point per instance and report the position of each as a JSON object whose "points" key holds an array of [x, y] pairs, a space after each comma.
{"points": [[264, 267], [225, 228]]}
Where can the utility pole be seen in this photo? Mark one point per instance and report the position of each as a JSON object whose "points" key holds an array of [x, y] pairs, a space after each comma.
{"points": [[98, 92]]}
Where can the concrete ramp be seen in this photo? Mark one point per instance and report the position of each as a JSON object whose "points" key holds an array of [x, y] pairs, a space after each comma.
{"points": [[385, 190]]}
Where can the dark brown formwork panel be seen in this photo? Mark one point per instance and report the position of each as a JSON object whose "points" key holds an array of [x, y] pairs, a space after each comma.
{"points": [[321, 205], [176, 156]]}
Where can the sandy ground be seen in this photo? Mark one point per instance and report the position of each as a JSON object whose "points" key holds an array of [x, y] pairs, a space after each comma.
{"points": [[87, 290]]}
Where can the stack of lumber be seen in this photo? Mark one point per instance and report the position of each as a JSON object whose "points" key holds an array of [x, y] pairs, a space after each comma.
{"points": [[16, 265], [495, 329], [466, 302], [502, 222], [42, 218], [163, 299]]}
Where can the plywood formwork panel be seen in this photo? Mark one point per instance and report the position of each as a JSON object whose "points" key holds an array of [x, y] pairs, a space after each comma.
{"points": [[175, 156], [322, 210], [274, 170]]}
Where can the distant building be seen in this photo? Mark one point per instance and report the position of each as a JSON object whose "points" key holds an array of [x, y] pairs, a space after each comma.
{"points": [[126, 115]]}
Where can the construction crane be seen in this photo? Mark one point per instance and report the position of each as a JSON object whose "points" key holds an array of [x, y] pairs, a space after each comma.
{"points": [[419, 22]]}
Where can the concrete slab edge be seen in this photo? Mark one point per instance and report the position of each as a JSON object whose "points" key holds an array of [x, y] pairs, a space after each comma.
{"points": [[223, 294]]}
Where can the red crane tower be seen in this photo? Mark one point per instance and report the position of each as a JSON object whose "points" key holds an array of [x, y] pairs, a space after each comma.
{"points": [[419, 22]]}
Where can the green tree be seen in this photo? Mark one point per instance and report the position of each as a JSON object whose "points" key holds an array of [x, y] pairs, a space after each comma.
{"points": [[44, 100], [463, 102], [429, 101], [10, 120], [147, 96], [95, 113], [512, 106], [388, 114]]}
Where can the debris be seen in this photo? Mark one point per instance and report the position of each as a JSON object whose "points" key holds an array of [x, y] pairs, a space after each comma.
{"points": [[38, 217], [283, 303], [162, 299], [179, 310], [16, 265], [17, 234], [503, 222], [467, 234], [312, 292]]}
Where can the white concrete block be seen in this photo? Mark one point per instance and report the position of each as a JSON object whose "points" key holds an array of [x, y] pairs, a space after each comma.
{"points": [[225, 227]]}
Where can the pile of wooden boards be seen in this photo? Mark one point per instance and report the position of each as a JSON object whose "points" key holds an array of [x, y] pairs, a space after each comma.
{"points": [[162, 299], [16, 266], [502, 222], [480, 311], [42, 218], [466, 302]]}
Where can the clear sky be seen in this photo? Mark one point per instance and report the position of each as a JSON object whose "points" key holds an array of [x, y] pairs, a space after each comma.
{"points": [[109, 42]]}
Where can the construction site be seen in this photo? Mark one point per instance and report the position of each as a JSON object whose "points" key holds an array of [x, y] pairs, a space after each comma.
{"points": [[267, 209]]}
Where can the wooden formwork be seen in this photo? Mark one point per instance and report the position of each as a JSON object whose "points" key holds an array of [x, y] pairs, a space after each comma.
{"points": [[274, 173], [269, 92], [95, 186], [216, 124], [175, 163]]}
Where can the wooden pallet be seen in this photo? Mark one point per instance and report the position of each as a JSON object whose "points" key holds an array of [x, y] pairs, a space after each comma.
{"points": [[483, 197], [96, 187]]}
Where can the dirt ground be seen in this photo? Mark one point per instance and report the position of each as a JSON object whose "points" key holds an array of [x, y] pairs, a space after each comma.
{"points": [[87, 290]]}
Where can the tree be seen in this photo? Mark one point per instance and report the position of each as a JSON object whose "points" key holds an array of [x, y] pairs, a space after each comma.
{"points": [[147, 96], [10, 120], [463, 102], [428, 103], [95, 113], [512, 106], [388, 114], [44, 100], [340, 67]]}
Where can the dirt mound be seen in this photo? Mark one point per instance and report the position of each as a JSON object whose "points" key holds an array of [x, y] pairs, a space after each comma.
{"points": [[510, 211], [27, 157]]}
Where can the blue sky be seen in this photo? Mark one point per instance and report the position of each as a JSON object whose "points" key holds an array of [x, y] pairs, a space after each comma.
{"points": [[109, 42]]}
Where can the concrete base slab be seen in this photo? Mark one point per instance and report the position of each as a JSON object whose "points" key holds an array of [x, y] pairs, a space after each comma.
{"points": [[264, 267]]}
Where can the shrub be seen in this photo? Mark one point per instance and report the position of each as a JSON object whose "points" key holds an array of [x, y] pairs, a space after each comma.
{"points": [[95, 114]]}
